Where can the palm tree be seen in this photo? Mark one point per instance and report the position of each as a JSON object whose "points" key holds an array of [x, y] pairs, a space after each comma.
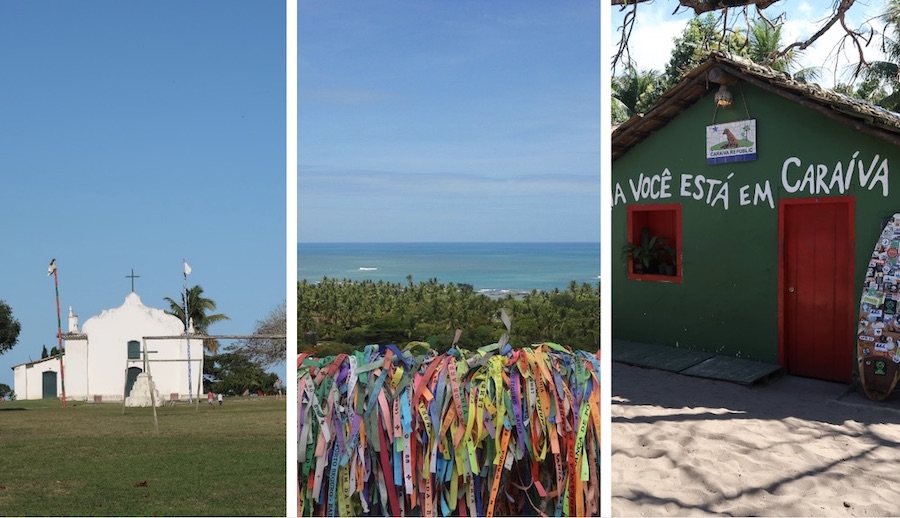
{"points": [[764, 45], [633, 92], [883, 77], [765, 42], [198, 308]]}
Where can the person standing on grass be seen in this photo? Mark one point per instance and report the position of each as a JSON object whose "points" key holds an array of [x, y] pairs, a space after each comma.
{"points": [[220, 399], [209, 397]]}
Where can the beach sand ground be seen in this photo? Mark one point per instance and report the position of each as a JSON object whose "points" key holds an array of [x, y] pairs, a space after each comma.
{"points": [[684, 446]]}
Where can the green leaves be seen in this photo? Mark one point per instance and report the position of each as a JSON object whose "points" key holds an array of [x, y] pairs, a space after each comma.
{"points": [[234, 373], [198, 309], [362, 313], [9, 328], [650, 254]]}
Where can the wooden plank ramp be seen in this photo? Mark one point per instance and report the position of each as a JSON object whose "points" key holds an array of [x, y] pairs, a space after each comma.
{"points": [[672, 359], [736, 370], [694, 363]]}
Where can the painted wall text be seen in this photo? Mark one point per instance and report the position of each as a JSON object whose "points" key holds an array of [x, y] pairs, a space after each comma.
{"points": [[797, 176]]}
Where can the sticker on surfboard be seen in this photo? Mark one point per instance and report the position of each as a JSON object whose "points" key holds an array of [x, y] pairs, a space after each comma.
{"points": [[878, 333]]}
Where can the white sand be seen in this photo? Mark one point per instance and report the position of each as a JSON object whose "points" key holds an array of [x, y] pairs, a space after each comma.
{"points": [[684, 446]]}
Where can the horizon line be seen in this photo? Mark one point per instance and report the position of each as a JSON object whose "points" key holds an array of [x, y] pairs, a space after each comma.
{"points": [[440, 242]]}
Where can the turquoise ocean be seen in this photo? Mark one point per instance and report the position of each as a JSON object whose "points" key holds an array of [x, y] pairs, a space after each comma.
{"points": [[492, 268]]}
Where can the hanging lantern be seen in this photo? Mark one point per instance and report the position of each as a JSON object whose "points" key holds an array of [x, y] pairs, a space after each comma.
{"points": [[723, 96]]}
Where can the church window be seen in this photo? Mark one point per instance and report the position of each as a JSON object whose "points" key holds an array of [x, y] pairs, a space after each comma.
{"points": [[134, 350]]}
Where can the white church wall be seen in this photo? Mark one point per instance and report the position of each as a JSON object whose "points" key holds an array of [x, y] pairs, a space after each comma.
{"points": [[28, 378], [108, 337], [75, 365], [96, 359], [20, 382]]}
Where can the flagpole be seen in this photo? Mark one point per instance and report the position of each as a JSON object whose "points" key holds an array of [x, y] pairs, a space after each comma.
{"points": [[62, 352], [187, 332]]}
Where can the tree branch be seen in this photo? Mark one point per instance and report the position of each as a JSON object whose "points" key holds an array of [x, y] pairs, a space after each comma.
{"points": [[703, 6], [626, 3], [838, 16], [854, 37], [858, 38], [623, 56]]}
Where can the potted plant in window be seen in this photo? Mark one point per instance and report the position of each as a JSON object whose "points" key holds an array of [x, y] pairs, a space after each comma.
{"points": [[666, 258], [651, 255], [642, 253]]}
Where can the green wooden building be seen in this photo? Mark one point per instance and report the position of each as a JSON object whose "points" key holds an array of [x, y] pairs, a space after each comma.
{"points": [[747, 206]]}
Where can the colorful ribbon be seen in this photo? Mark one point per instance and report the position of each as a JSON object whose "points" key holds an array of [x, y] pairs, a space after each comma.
{"points": [[498, 431]]}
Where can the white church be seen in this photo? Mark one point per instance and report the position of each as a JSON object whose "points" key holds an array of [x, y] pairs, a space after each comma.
{"points": [[103, 361]]}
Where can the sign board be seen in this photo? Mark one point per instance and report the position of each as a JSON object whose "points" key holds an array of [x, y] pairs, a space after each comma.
{"points": [[731, 142]]}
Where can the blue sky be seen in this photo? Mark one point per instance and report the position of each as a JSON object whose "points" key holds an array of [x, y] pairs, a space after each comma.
{"points": [[454, 121], [656, 28], [132, 135]]}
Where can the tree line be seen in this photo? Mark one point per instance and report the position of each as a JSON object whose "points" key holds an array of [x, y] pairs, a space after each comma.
{"points": [[635, 90], [240, 367], [341, 315]]}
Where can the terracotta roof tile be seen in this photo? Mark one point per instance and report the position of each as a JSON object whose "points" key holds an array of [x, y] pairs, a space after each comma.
{"points": [[861, 115]]}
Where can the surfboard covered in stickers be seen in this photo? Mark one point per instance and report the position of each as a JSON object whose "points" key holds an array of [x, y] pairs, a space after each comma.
{"points": [[878, 334]]}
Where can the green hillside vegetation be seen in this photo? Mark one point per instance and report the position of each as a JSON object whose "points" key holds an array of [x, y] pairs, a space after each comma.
{"points": [[341, 315]]}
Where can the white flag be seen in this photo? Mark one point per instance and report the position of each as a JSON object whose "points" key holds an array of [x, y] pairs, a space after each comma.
{"points": [[187, 267], [52, 268]]}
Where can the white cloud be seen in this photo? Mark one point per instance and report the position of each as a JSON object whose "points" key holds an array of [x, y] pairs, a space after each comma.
{"points": [[375, 205], [325, 182]]}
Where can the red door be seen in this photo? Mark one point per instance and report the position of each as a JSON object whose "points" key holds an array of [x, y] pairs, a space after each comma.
{"points": [[816, 306]]}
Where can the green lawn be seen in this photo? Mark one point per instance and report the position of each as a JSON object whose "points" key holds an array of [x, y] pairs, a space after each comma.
{"points": [[90, 459]]}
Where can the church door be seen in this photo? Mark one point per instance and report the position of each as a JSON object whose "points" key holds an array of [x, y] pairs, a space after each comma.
{"points": [[48, 383], [132, 376]]}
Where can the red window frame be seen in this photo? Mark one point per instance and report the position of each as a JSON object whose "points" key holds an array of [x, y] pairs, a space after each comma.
{"points": [[664, 221]]}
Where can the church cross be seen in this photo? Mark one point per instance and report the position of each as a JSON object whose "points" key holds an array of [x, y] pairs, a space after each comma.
{"points": [[132, 277]]}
